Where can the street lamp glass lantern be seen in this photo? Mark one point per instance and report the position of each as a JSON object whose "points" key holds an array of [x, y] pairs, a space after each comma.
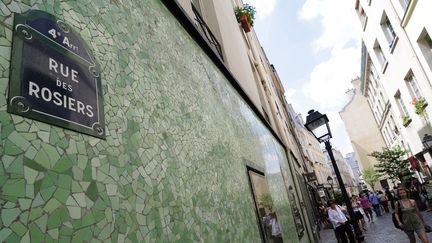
{"points": [[317, 124], [427, 141], [330, 180]]}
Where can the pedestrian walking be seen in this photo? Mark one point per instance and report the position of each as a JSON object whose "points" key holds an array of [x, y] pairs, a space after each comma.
{"points": [[373, 198], [390, 197], [340, 223], [412, 220], [428, 188], [367, 207], [357, 208], [383, 201]]}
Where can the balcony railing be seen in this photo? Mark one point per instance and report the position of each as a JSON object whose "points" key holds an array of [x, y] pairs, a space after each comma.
{"points": [[206, 32]]}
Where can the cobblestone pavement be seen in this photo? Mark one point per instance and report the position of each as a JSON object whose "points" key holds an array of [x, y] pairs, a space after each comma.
{"points": [[381, 231]]}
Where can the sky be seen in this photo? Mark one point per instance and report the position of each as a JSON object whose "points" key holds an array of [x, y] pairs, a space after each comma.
{"points": [[315, 46]]}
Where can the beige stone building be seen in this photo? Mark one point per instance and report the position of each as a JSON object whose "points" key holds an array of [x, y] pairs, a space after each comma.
{"points": [[313, 155], [345, 172], [361, 125]]}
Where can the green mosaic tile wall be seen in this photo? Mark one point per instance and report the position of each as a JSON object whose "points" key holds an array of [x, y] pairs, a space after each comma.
{"points": [[171, 168]]}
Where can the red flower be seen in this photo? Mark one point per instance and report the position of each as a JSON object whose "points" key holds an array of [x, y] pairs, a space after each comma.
{"points": [[414, 101]]}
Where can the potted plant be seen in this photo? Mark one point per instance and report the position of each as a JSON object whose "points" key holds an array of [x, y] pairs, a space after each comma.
{"points": [[245, 16], [419, 105], [406, 120]]}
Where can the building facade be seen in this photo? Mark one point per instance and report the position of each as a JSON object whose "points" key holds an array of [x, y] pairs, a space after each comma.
{"points": [[314, 156], [197, 135], [345, 171], [351, 160], [397, 72], [361, 126]]}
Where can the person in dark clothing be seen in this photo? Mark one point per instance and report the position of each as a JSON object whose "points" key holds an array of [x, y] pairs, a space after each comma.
{"points": [[390, 198]]}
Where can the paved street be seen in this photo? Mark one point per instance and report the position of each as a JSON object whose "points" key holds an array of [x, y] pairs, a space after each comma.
{"points": [[381, 231]]}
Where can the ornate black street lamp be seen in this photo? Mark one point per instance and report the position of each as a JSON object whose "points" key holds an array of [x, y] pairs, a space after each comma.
{"points": [[330, 182], [427, 141], [427, 144], [315, 122]]}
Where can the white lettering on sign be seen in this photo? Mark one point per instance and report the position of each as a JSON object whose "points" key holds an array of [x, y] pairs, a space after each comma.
{"points": [[65, 70], [54, 33], [60, 99]]}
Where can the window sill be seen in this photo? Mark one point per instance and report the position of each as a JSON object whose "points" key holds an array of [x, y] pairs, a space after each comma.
{"points": [[393, 44], [365, 23], [408, 12], [384, 66]]}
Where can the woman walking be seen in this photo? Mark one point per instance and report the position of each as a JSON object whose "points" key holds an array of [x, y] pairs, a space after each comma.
{"points": [[367, 207], [412, 220], [357, 212]]}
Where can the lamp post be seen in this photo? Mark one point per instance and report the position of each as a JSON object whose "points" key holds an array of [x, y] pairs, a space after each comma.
{"points": [[427, 144], [315, 122], [330, 181]]}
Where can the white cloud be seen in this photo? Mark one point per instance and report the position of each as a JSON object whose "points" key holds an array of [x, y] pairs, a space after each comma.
{"points": [[338, 19], [289, 94], [264, 8], [329, 80]]}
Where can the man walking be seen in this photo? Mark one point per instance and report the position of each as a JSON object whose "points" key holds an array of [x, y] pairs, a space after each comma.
{"points": [[373, 198], [340, 223], [390, 197]]}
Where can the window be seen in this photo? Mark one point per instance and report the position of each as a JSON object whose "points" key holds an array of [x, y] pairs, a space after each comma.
{"points": [[380, 55], [390, 131], [382, 97], [376, 117], [411, 82], [379, 112], [389, 32], [263, 202], [402, 108], [425, 44], [266, 116], [374, 73], [380, 106], [404, 3], [362, 15], [386, 138]]}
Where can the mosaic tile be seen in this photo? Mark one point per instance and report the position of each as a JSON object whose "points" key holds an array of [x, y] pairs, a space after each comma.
{"points": [[54, 233], [9, 215], [30, 175], [19, 228], [36, 235], [14, 187]]}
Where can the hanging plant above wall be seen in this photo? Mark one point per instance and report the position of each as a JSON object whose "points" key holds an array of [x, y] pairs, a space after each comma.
{"points": [[406, 120], [245, 16], [419, 105]]}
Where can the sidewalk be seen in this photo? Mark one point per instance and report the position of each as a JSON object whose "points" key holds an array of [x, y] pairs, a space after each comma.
{"points": [[382, 230]]}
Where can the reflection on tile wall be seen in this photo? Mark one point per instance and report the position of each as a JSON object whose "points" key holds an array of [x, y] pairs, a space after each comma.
{"points": [[171, 167]]}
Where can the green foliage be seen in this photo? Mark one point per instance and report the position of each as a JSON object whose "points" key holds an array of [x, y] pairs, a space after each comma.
{"points": [[391, 165], [338, 197], [370, 175], [248, 10], [419, 105], [406, 120], [266, 201]]}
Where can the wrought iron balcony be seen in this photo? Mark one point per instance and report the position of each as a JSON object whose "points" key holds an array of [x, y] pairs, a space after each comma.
{"points": [[206, 33]]}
